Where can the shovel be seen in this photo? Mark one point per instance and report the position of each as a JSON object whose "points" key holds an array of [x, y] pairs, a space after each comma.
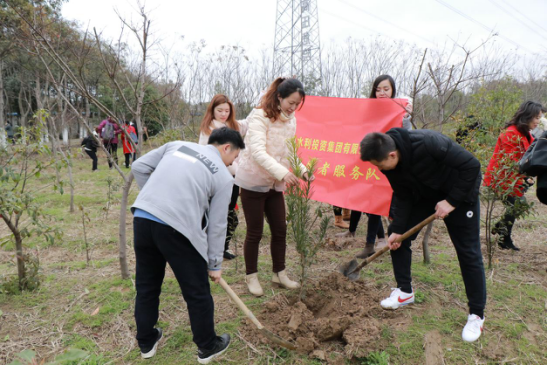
{"points": [[271, 336], [352, 270]]}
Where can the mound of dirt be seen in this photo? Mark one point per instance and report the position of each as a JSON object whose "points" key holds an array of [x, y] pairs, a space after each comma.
{"points": [[334, 311]]}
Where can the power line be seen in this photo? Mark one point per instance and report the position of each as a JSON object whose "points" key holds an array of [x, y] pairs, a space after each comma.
{"points": [[349, 21], [386, 21], [346, 20], [519, 21], [523, 15], [484, 26]]}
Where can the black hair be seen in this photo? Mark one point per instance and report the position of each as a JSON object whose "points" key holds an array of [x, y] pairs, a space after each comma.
{"points": [[380, 79], [527, 111], [376, 146], [226, 135], [289, 86]]}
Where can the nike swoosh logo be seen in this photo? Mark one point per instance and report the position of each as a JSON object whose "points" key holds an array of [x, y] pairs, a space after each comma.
{"points": [[403, 300]]}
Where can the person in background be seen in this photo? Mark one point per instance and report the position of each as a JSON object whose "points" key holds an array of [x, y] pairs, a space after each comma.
{"points": [[541, 175], [10, 132], [129, 151], [109, 130], [221, 113], [512, 143], [384, 87], [340, 217], [132, 123], [263, 172], [180, 219], [540, 129], [89, 144]]}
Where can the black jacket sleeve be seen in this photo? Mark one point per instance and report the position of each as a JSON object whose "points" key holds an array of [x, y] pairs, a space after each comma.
{"points": [[451, 154], [402, 202]]}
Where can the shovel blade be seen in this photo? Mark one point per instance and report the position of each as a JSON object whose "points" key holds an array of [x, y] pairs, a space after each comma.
{"points": [[347, 270], [277, 339]]}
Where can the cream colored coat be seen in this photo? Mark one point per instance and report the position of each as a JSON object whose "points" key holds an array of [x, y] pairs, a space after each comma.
{"points": [[263, 163]]}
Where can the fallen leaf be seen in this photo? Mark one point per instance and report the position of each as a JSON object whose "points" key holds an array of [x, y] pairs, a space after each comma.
{"points": [[95, 311]]}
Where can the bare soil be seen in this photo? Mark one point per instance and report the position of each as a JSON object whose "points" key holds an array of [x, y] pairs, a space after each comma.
{"points": [[334, 313]]}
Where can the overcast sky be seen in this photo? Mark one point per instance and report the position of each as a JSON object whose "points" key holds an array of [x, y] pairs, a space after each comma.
{"points": [[521, 24]]}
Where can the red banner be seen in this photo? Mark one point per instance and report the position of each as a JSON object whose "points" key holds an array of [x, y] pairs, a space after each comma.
{"points": [[331, 130]]}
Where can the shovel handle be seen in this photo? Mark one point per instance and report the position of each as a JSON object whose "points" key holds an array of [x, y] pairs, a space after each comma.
{"points": [[403, 237], [240, 304]]}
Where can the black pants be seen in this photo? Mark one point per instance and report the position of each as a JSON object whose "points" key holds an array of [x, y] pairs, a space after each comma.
{"points": [[233, 221], [128, 156], [506, 223], [463, 225], [374, 225], [155, 244], [337, 210], [112, 149], [93, 156]]}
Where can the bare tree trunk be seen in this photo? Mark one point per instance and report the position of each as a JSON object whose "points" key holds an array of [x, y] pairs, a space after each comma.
{"points": [[24, 108], [425, 248], [58, 150], [122, 253], [18, 249], [88, 115], [3, 142]]}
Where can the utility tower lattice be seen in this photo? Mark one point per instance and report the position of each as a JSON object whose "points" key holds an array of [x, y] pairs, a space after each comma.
{"points": [[297, 41]]}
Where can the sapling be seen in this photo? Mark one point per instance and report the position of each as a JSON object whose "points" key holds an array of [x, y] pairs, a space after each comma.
{"points": [[302, 215]]}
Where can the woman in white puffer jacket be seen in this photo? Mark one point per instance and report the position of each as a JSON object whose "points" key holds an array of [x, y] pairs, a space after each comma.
{"points": [[263, 171]]}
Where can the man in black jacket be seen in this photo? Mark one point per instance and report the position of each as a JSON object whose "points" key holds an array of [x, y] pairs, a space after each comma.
{"points": [[430, 173]]}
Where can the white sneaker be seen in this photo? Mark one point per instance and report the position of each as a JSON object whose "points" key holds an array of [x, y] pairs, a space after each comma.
{"points": [[472, 331], [397, 299]]}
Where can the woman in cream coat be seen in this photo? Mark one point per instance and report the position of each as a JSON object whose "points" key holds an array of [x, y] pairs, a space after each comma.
{"points": [[263, 172]]}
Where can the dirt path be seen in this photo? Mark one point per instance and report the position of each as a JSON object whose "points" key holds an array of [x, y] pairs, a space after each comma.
{"points": [[432, 348]]}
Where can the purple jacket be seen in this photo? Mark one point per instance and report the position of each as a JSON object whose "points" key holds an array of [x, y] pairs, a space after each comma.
{"points": [[117, 131]]}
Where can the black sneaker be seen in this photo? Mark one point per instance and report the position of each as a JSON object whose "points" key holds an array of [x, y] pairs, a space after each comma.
{"points": [[147, 353], [206, 356], [228, 255]]}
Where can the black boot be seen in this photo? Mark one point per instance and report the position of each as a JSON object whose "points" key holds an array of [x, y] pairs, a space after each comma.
{"points": [[502, 243], [510, 244]]}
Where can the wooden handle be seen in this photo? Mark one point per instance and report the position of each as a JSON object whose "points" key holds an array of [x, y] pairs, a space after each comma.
{"points": [[403, 237], [240, 304]]}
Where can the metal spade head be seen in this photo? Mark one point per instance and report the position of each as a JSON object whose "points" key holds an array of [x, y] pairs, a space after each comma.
{"points": [[277, 339], [347, 270]]}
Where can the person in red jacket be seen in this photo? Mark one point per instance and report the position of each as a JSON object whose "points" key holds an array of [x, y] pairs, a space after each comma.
{"points": [[129, 151], [512, 144]]}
